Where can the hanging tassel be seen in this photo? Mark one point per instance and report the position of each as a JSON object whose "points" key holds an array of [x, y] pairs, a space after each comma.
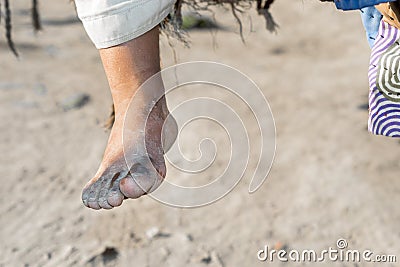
{"points": [[8, 28], [35, 16], [178, 12], [272, 26]]}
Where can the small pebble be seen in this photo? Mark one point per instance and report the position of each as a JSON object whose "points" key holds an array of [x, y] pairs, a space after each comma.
{"points": [[154, 232], [75, 101]]}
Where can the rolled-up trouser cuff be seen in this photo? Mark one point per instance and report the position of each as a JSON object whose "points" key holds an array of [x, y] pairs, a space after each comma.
{"points": [[113, 22]]}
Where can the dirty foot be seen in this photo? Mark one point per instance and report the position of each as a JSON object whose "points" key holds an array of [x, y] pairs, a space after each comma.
{"points": [[114, 181]]}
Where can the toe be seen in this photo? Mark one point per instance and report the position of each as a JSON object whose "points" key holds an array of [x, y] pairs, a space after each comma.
{"points": [[96, 194], [103, 203], [93, 200], [140, 181], [89, 193], [94, 205], [85, 202], [130, 189], [85, 197], [115, 198]]}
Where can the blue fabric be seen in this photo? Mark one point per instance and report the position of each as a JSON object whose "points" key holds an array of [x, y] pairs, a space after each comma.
{"points": [[358, 4], [371, 19]]}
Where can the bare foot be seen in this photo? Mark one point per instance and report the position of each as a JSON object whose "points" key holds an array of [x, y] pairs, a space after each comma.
{"points": [[114, 182]]}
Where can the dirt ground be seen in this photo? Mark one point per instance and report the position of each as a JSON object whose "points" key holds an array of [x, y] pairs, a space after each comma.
{"points": [[331, 179]]}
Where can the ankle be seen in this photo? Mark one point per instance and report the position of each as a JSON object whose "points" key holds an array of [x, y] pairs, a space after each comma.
{"points": [[123, 93]]}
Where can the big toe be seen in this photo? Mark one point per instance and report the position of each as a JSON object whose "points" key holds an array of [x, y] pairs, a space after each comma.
{"points": [[138, 185], [141, 180], [130, 188]]}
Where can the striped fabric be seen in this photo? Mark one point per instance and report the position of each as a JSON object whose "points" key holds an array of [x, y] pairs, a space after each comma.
{"points": [[384, 83]]}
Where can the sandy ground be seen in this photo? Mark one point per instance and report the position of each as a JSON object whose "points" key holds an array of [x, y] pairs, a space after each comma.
{"points": [[331, 179]]}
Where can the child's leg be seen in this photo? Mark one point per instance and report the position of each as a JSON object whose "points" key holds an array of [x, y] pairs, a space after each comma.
{"points": [[126, 33], [127, 66]]}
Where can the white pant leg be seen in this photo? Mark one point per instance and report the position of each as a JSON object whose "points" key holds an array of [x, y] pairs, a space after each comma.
{"points": [[112, 22]]}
